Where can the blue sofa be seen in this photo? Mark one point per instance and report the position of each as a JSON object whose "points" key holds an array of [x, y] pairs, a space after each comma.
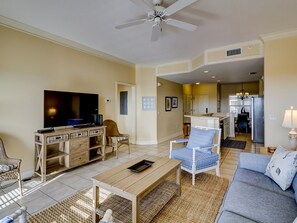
{"points": [[253, 197]]}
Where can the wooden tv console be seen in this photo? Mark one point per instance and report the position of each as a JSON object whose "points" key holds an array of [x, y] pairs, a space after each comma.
{"points": [[67, 148]]}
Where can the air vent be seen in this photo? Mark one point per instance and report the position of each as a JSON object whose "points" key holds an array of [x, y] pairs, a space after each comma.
{"points": [[253, 73], [233, 52]]}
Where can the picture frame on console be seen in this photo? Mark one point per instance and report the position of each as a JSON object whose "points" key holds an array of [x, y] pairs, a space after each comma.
{"points": [[167, 104]]}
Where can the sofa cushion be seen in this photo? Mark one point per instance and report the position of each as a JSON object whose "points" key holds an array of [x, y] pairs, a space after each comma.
{"points": [[202, 160], [258, 204], [228, 217], [201, 138], [260, 180], [282, 167], [252, 161]]}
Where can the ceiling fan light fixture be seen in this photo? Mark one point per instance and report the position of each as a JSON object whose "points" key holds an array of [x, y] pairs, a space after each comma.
{"points": [[158, 14]]}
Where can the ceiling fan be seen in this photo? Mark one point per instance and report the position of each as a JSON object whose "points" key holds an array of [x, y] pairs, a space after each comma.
{"points": [[158, 15]]}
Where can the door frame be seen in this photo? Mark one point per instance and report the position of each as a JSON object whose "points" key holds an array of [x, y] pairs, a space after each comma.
{"points": [[133, 106]]}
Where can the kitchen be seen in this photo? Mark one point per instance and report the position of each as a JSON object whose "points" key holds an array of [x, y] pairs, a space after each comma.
{"points": [[216, 105]]}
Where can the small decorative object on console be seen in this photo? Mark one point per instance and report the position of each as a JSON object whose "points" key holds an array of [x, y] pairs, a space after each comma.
{"points": [[51, 129], [271, 149]]}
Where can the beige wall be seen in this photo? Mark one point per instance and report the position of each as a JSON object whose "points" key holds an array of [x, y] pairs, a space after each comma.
{"points": [[178, 67], [209, 89], [28, 66], [279, 87], [231, 89], [187, 89], [170, 123], [146, 120]]}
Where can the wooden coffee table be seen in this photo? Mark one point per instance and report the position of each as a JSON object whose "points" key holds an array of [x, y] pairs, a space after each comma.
{"points": [[134, 186]]}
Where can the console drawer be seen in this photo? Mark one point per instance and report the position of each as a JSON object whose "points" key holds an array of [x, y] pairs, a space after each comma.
{"points": [[95, 132], [78, 159], [79, 145]]}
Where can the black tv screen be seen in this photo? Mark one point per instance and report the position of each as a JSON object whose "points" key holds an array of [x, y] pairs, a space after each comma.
{"points": [[69, 108]]}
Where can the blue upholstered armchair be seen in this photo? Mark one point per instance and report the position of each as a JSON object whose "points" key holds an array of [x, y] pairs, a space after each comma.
{"points": [[202, 152]]}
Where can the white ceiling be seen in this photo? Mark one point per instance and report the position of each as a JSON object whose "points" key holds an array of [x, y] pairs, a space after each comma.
{"points": [[91, 23]]}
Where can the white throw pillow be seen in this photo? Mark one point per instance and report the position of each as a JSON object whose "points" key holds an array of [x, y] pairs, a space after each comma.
{"points": [[282, 167]]}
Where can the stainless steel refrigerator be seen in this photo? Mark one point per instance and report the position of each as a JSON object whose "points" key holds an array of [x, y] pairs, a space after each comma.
{"points": [[257, 119]]}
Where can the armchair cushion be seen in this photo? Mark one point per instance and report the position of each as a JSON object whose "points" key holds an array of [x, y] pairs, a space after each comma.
{"points": [[202, 160], [6, 219], [200, 138], [121, 138], [7, 167]]}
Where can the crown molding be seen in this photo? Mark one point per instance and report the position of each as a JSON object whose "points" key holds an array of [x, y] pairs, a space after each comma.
{"points": [[13, 24], [279, 35]]}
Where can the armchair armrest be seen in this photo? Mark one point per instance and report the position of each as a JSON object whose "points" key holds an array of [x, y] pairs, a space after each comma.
{"points": [[252, 161], [179, 141], [11, 161], [175, 142]]}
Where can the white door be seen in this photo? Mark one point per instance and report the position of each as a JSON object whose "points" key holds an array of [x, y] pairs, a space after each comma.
{"points": [[201, 103], [126, 116]]}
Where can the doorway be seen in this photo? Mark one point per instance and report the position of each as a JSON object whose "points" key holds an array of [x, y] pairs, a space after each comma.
{"points": [[125, 105], [201, 104]]}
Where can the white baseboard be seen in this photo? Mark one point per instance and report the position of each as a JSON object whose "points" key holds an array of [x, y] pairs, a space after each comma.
{"points": [[180, 133], [153, 142]]}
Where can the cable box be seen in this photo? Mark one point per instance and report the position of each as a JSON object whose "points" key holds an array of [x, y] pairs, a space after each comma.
{"points": [[46, 130]]}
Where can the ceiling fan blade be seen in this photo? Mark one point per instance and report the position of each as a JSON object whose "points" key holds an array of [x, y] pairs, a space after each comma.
{"points": [[156, 30], [131, 23], [181, 25], [146, 6], [178, 5]]}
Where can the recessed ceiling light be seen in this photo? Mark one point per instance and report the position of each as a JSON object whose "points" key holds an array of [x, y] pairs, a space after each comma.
{"points": [[206, 71], [197, 83], [219, 80], [213, 77]]}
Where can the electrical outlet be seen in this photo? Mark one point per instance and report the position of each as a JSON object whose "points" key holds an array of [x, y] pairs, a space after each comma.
{"points": [[272, 117]]}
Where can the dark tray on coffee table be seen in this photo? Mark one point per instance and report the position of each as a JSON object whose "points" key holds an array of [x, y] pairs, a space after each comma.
{"points": [[141, 166]]}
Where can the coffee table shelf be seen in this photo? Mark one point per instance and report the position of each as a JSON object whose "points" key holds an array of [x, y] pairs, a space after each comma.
{"points": [[135, 186]]}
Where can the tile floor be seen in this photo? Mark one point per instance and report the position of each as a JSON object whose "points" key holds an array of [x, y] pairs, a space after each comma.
{"points": [[38, 195]]}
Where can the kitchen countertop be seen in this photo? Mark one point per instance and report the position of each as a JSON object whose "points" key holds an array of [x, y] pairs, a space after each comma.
{"points": [[219, 116]]}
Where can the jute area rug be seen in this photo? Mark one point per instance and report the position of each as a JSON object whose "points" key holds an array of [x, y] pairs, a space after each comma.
{"points": [[197, 204]]}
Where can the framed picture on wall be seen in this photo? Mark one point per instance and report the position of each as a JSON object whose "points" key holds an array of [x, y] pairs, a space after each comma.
{"points": [[167, 103], [174, 102]]}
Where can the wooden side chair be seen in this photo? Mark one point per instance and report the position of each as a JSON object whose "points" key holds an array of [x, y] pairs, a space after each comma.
{"points": [[242, 122], [202, 152], [114, 138], [9, 167]]}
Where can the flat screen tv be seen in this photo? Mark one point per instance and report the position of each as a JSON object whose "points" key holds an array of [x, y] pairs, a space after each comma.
{"points": [[69, 108]]}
